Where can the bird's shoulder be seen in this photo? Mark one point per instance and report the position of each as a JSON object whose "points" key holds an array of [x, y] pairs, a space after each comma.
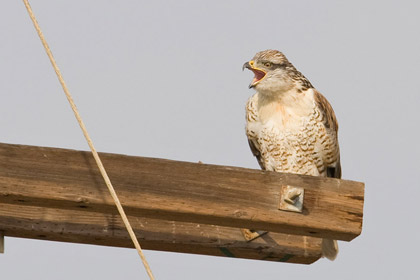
{"points": [[328, 116]]}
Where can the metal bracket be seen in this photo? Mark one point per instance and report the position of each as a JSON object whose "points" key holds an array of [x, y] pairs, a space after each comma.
{"points": [[291, 198], [1, 242], [250, 234]]}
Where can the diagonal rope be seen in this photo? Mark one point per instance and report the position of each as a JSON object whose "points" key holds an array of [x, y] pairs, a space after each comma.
{"points": [[89, 140]]}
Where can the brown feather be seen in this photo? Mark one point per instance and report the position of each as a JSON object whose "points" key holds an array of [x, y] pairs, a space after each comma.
{"points": [[256, 153], [330, 120]]}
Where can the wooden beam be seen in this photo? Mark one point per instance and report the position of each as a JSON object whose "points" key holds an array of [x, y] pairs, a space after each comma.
{"points": [[179, 191], [1, 242], [89, 227]]}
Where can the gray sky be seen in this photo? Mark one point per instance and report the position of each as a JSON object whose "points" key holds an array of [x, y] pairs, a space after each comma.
{"points": [[163, 79]]}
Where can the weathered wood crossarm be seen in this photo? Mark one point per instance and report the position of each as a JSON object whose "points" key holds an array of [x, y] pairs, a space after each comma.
{"points": [[179, 191], [88, 227], [57, 194]]}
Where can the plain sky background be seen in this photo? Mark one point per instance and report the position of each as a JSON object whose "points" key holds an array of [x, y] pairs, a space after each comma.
{"points": [[163, 79]]}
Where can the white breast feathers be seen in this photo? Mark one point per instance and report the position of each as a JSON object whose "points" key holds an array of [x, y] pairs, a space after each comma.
{"points": [[289, 134]]}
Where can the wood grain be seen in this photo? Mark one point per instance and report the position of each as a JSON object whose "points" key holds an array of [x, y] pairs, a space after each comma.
{"points": [[1, 242], [86, 227], [179, 191]]}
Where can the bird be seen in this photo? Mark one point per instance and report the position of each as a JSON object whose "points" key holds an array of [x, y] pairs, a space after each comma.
{"points": [[291, 127]]}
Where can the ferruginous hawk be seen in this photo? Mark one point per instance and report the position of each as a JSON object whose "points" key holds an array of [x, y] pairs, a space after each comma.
{"points": [[291, 127]]}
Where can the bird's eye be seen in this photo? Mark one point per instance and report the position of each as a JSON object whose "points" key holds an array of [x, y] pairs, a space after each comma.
{"points": [[267, 64]]}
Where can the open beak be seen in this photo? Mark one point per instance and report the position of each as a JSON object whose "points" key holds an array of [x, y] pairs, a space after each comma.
{"points": [[259, 74]]}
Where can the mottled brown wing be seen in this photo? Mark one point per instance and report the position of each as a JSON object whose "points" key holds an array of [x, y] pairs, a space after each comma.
{"points": [[330, 122], [256, 153], [329, 117]]}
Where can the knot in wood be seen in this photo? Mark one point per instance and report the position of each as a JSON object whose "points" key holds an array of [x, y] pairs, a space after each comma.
{"points": [[239, 213]]}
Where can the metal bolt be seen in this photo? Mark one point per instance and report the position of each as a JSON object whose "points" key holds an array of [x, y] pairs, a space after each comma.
{"points": [[291, 198], [292, 195]]}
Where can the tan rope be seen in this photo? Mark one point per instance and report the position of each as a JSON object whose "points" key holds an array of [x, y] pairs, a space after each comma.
{"points": [[95, 154]]}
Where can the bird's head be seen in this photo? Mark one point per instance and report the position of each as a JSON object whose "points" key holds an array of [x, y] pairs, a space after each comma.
{"points": [[273, 72]]}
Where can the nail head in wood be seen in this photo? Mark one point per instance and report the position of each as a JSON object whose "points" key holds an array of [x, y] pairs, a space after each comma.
{"points": [[291, 198]]}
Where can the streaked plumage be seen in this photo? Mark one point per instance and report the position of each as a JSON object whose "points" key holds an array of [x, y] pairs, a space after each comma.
{"points": [[291, 127]]}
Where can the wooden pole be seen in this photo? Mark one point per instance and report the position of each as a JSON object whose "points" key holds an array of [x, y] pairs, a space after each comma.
{"points": [[179, 191]]}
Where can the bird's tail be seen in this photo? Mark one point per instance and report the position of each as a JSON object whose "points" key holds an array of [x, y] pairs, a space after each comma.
{"points": [[329, 249]]}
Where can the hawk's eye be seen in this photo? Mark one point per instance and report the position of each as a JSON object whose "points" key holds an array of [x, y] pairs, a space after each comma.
{"points": [[267, 64]]}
